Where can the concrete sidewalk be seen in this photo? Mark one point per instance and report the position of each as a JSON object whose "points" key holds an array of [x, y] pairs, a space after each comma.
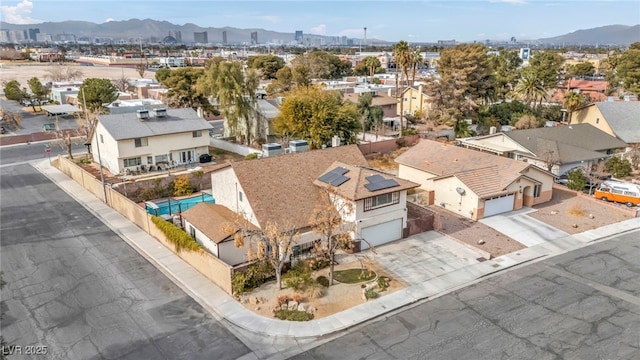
{"points": [[224, 307]]}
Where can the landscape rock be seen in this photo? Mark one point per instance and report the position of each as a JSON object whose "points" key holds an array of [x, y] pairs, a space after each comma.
{"points": [[301, 307], [591, 216], [293, 305], [554, 212], [480, 242]]}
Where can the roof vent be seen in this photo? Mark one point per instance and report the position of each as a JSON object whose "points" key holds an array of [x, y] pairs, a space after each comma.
{"points": [[297, 146], [142, 114], [160, 112]]}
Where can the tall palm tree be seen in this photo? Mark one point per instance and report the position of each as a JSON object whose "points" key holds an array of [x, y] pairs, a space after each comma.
{"points": [[530, 88], [416, 60], [572, 101], [402, 55]]}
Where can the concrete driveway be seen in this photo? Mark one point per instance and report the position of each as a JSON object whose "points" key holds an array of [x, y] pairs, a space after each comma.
{"points": [[523, 228], [424, 256]]}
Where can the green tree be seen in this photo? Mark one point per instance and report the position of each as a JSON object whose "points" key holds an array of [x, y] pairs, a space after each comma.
{"points": [[162, 74], [13, 91], [505, 71], [618, 167], [371, 116], [369, 66], [316, 115], [581, 69], [323, 65], [38, 91], [415, 61], [183, 90], [547, 66], [182, 186], [96, 92], [628, 69], [576, 179], [301, 75], [573, 101], [235, 90], [267, 65], [530, 87], [465, 82], [282, 83]]}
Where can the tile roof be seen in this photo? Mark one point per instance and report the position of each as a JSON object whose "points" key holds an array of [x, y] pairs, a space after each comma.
{"points": [[354, 188], [128, 126], [214, 221], [281, 188], [583, 136], [624, 119], [485, 174]]}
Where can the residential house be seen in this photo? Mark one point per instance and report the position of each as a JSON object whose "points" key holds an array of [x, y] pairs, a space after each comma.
{"points": [[415, 101], [471, 183], [593, 90], [620, 119], [380, 98], [284, 190], [213, 226], [158, 137], [557, 149]]}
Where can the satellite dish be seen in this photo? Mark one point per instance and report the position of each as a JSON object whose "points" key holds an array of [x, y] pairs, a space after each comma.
{"points": [[460, 190]]}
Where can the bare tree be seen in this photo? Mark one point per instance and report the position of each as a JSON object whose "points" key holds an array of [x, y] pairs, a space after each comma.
{"points": [[64, 73], [328, 221], [550, 157], [274, 244], [140, 68]]}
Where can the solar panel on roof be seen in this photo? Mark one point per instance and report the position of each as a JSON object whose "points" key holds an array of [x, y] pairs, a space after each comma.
{"points": [[374, 178], [328, 177], [340, 170], [339, 181], [384, 184], [372, 186]]}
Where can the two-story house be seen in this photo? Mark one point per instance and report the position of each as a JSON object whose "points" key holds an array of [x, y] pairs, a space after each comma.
{"points": [[415, 101], [149, 138]]}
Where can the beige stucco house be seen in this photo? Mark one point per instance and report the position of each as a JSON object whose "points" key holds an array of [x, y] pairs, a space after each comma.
{"points": [[415, 100], [617, 118], [286, 189], [158, 138], [471, 183]]}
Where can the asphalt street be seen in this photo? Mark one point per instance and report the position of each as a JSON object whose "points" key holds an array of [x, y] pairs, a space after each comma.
{"points": [[76, 287], [21, 153], [580, 305]]}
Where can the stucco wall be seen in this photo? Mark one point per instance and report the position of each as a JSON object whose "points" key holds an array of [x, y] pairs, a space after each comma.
{"points": [[415, 175], [225, 188], [465, 205], [591, 115]]}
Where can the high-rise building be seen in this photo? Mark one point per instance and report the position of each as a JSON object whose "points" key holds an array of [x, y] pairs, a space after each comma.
{"points": [[200, 37], [224, 37], [299, 36], [525, 53], [33, 34], [254, 38], [176, 34]]}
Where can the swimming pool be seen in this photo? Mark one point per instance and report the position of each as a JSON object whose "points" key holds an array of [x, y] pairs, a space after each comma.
{"points": [[172, 206]]}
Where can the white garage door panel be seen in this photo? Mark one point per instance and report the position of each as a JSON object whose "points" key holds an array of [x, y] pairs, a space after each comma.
{"points": [[382, 233], [498, 206]]}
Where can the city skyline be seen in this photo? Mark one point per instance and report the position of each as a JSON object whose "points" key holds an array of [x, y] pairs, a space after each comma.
{"points": [[413, 21]]}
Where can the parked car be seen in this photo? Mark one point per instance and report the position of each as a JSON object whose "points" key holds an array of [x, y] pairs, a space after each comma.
{"points": [[591, 180], [620, 192]]}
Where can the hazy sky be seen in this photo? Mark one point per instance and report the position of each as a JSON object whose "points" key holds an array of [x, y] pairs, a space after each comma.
{"points": [[391, 20]]}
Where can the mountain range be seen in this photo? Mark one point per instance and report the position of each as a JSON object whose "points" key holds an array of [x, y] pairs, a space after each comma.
{"points": [[134, 29]]}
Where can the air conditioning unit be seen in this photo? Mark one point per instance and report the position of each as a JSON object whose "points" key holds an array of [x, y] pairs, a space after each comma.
{"points": [[272, 149], [159, 112], [142, 114], [297, 146]]}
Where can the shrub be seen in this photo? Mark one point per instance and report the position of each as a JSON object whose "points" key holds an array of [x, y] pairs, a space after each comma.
{"points": [[256, 274], [178, 237], [251, 156], [296, 279], [323, 280], [293, 315], [383, 283], [618, 167], [577, 180], [371, 294], [314, 290], [182, 186]]}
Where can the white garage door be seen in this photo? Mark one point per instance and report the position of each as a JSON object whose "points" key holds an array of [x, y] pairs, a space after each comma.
{"points": [[498, 205], [382, 233]]}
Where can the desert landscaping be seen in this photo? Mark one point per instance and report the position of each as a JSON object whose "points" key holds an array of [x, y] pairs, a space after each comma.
{"points": [[22, 72]]}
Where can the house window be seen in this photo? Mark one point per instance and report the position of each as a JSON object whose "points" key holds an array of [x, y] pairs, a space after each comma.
{"points": [[150, 160], [197, 133], [101, 139], [536, 191], [597, 120], [192, 231], [140, 142], [132, 162], [162, 158], [381, 201], [240, 195]]}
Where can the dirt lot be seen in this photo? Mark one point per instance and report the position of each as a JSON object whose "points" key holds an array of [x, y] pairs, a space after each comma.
{"points": [[470, 232], [573, 213], [25, 71]]}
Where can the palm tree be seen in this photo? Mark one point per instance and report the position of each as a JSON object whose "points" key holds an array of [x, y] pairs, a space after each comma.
{"points": [[402, 55], [416, 61], [530, 88], [572, 101], [372, 63]]}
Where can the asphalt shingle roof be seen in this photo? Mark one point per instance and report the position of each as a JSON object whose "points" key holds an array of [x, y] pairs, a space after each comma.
{"points": [[485, 174], [583, 136], [216, 222], [128, 126], [624, 119], [354, 188], [281, 188]]}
